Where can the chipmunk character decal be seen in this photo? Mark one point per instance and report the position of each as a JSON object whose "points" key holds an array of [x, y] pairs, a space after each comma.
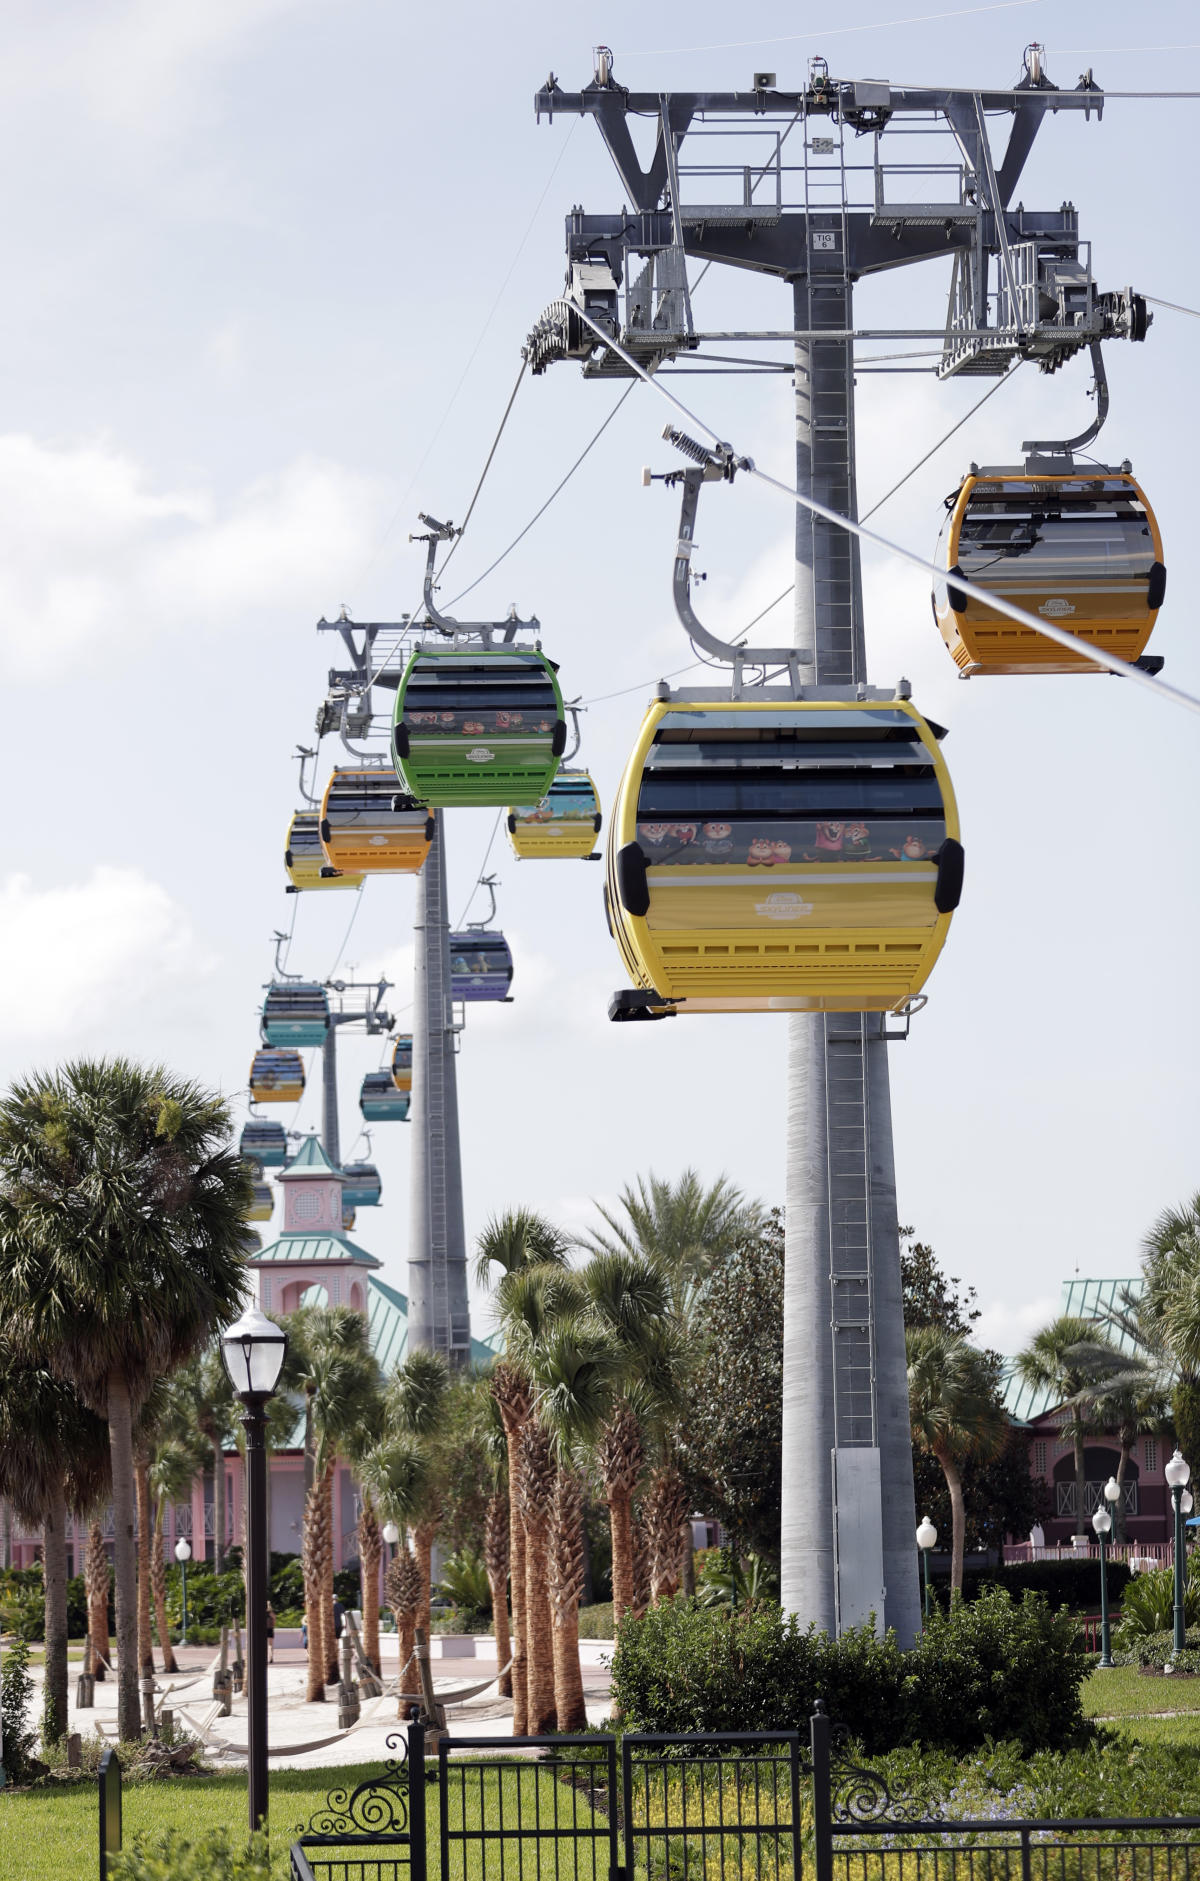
{"points": [[858, 839], [717, 838], [912, 849], [762, 853]]}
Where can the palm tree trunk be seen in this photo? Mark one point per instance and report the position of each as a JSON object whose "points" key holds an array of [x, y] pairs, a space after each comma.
{"points": [[620, 1517], [370, 1553], [141, 1485], [511, 1392], [666, 1508], [537, 1493], [958, 1519], [423, 1538], [566, 1585], [218, 1445], [96, 1575], [54, 1576], [120, 1438], [496, 1557], [402, 1589], [1118, 1507], [158, 1587], [332, 1670], [312, 1562]]}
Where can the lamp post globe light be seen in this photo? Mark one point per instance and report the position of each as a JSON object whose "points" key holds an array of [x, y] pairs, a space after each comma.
{"points": [[1102, 1524], [183, 1554], [1178, 1474], [926, 1538], [254, 1348], [391, 1534]]}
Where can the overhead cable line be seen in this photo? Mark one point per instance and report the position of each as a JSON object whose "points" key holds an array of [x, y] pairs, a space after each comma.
{"points": [[462, 528], [1048, 629], [538, 514], [1173, 305], [483, 333]]}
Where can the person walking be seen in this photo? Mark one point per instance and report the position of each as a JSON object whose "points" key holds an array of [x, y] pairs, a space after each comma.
{"points": [[270, 1634]]}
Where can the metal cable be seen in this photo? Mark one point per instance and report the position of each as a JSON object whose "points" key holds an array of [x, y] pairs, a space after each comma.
{"points": [[538, 514], [483, 473], [1173, 305]]}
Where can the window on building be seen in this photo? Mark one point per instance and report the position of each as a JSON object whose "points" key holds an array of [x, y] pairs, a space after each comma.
{"points": [[1039, 1459], [306, 1206], [1150, 1452], [266, 1293]]}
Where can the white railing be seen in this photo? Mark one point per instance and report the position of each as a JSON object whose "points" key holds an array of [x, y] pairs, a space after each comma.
{"points": [[1136, 1553]]}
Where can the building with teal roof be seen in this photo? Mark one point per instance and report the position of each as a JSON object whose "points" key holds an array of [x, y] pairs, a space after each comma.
{"points": [[1052, 1452]]}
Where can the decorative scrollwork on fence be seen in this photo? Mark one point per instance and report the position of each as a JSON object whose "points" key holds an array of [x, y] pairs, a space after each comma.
{"points": [[859, 1795], [377, 1807]]}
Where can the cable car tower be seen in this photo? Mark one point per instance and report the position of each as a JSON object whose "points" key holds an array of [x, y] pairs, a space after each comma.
{"points": [[773, 181]]}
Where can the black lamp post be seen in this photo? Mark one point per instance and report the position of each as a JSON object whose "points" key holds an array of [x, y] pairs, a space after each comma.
{"points": [[1177, 1473], [926, 1539], [254, 1349]]}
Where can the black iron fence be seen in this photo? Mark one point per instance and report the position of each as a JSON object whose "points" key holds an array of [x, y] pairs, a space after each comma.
{"points": [[729, 1807], [375, 1832]]}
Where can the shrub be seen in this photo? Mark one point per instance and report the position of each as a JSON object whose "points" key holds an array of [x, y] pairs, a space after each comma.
{"points": [[1154, 1651], [16, 1694], [1149, 1604], [1075, 1584], [464, 1582], [596, 1622], [996, 1668], [170, 1858], [990, 1669]]}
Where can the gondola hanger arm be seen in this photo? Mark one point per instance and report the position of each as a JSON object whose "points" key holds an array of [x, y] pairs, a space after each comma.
{"points": [[719, 464], [437, 533], [282, 940], [303, 753], [574, 708], [1038, 447]]}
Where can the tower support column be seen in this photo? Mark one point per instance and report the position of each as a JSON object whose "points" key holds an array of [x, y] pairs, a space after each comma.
{"points": [[438, 1304], [848, 1513]]}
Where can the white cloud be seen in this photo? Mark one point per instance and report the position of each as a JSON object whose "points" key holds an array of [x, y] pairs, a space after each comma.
{"points": [[97, 557], [1007, 1329], [77, 956]]}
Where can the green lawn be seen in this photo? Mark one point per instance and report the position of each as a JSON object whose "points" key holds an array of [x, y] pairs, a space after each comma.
{"points": [[52, 1834], [1124, 1692]]}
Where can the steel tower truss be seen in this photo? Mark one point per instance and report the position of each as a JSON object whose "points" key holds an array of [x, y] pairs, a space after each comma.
{"points": [[772, 181]]}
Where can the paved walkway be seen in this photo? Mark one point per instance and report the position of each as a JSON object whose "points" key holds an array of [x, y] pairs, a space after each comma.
{"points": [[300, 1733]]}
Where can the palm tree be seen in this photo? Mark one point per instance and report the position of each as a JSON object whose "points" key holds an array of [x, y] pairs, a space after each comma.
{"points": [[336, 1370], [573, 1364], [681, 1230], [416, 1406], [1069, 1359], [524, 1246], [394, 1473], [122, 1224], [955, 1413], [53, 1458], [1169, 1310]]}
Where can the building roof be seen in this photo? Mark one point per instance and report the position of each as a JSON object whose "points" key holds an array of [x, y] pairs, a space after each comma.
{"points": [[310, 1160], [387, 1321], [302, 1249], [1080, 1299]]}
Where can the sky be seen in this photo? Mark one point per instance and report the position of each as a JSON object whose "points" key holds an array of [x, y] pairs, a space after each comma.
{"points": [[269, 267]]}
